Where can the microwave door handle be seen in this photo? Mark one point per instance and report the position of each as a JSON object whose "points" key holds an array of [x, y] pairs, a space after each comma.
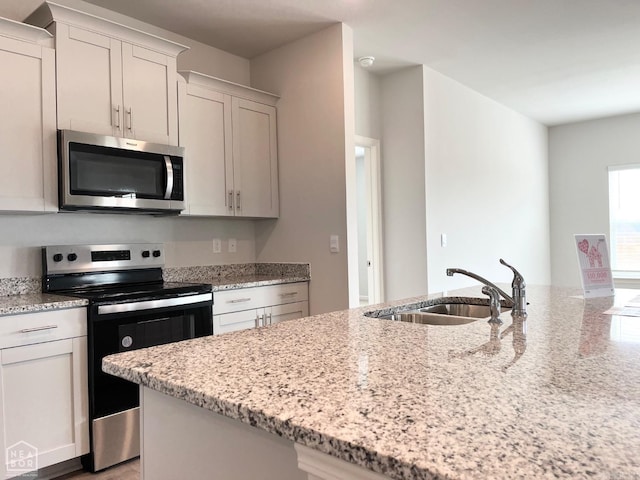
{"points": [[169, 168]]}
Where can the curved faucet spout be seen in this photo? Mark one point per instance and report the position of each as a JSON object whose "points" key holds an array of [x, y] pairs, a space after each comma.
{"points": [[505, 295]]}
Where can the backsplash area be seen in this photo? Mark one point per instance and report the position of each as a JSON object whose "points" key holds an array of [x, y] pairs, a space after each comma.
{"points": [[20, 285], [26, 285], [208, 272]]}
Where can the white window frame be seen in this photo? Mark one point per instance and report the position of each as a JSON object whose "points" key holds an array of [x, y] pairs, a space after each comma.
{"points": [[623, 278]]}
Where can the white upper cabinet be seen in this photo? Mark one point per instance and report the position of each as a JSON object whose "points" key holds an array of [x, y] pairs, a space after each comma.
{"points": [[112, 79], [229, 133], [27, 126], [255, 166], [205, 132]]}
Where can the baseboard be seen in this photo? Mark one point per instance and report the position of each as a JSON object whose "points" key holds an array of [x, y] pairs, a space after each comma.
{"points": [[59, 469]]}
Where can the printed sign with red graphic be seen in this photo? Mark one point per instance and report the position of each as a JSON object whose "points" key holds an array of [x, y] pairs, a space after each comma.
{"points": [[593, 257]]}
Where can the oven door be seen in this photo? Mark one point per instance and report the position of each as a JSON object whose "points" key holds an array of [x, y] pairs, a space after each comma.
{"points": [[114, 402], [128, 326]]}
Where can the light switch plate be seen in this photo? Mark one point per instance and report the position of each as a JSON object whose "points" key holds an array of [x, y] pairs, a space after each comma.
{"points": [[217, 245], [233, 246], [334, 244]]}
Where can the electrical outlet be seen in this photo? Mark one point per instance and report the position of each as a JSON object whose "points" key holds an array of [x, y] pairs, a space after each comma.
{"points": [[233, 246], [217, 245], [443, 239]]}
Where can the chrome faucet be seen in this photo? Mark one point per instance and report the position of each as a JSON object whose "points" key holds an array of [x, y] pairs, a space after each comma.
{"points": [[518, 289], [517, 302]]}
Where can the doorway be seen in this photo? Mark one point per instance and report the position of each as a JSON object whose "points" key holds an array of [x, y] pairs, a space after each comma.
{"points": [[369, 208]]}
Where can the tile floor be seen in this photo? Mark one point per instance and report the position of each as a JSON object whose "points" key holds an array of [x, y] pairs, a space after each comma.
{"points": [[127, 471]]}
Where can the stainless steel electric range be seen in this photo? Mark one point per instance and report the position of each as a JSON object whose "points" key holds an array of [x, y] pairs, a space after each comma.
{"points": [[130, 307]]}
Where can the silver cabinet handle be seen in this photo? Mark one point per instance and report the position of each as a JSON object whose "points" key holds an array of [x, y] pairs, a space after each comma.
{"points": [[38, 329], [117, 117], [231, 200], [288, 294], [269, 317], [238, 200], [239, 300], [130, 115], [257, 320]]}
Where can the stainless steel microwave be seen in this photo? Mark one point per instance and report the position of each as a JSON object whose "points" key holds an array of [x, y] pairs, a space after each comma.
{"points": [[102, 173]]}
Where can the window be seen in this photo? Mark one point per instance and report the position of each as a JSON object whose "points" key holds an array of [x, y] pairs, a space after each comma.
{"points": [[624, 219]]}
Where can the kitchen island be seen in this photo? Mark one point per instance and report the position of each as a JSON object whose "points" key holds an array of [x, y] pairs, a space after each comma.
{"points": [[555, 397]]}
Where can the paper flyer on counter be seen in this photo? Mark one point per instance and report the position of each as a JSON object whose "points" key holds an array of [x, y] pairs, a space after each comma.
{"points": [[595, 269]]}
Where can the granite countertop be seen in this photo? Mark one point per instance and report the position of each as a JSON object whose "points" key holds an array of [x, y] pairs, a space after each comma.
{"points": [[421, 402], [37, 302]]}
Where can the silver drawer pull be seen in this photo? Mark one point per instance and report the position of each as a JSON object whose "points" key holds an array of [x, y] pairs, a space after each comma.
{"points": [[239, 300], [288, 294], [38, 329]]}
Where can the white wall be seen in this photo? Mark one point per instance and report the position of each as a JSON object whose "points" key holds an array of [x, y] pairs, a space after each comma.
{"points": [[487, 187], [403, 184], [579, 154], [188, 241], [310, 76], [368, 98]]}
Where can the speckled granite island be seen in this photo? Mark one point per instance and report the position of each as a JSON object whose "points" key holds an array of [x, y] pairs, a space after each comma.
{"points": [[361, 397]]}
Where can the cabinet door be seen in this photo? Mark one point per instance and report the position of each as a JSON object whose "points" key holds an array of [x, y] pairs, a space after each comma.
{"points": [[289, 311], [205, 132], [255, 159], [89, 81], [27, 127], [150, 96], [43, 400], [231, 322]]}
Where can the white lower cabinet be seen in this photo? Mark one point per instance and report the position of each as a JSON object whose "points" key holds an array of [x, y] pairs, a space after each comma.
{"points": [[43, 390], [254, 307]]}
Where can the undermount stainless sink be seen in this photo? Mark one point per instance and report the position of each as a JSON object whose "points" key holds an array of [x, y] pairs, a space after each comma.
{"points": [[443, 311], [459, 310], [428, 318]]}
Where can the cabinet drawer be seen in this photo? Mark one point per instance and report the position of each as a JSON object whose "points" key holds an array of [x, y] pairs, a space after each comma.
{"points": [[231, 322], [30, 328], [285, 293], [238, 300]]}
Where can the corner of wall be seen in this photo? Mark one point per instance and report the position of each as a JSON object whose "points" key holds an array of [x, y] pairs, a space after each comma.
{"points": [[312, 143]]}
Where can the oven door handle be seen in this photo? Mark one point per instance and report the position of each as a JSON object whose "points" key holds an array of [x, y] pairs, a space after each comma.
{"points": [[153, 304]]}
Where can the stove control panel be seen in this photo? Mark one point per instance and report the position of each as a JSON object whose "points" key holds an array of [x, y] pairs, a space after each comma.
{"points": [[59, 259]]}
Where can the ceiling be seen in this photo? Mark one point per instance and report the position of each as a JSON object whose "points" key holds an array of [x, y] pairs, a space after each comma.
{"points": [[556, 61]]}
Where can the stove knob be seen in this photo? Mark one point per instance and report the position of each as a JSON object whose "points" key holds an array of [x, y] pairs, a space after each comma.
{"points": [[145, 254], [72, 257], [58, 257], [156, 253]]}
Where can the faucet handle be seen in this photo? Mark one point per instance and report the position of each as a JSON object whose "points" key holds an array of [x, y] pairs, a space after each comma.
{"points": [[494, 303], [518, 279]]}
